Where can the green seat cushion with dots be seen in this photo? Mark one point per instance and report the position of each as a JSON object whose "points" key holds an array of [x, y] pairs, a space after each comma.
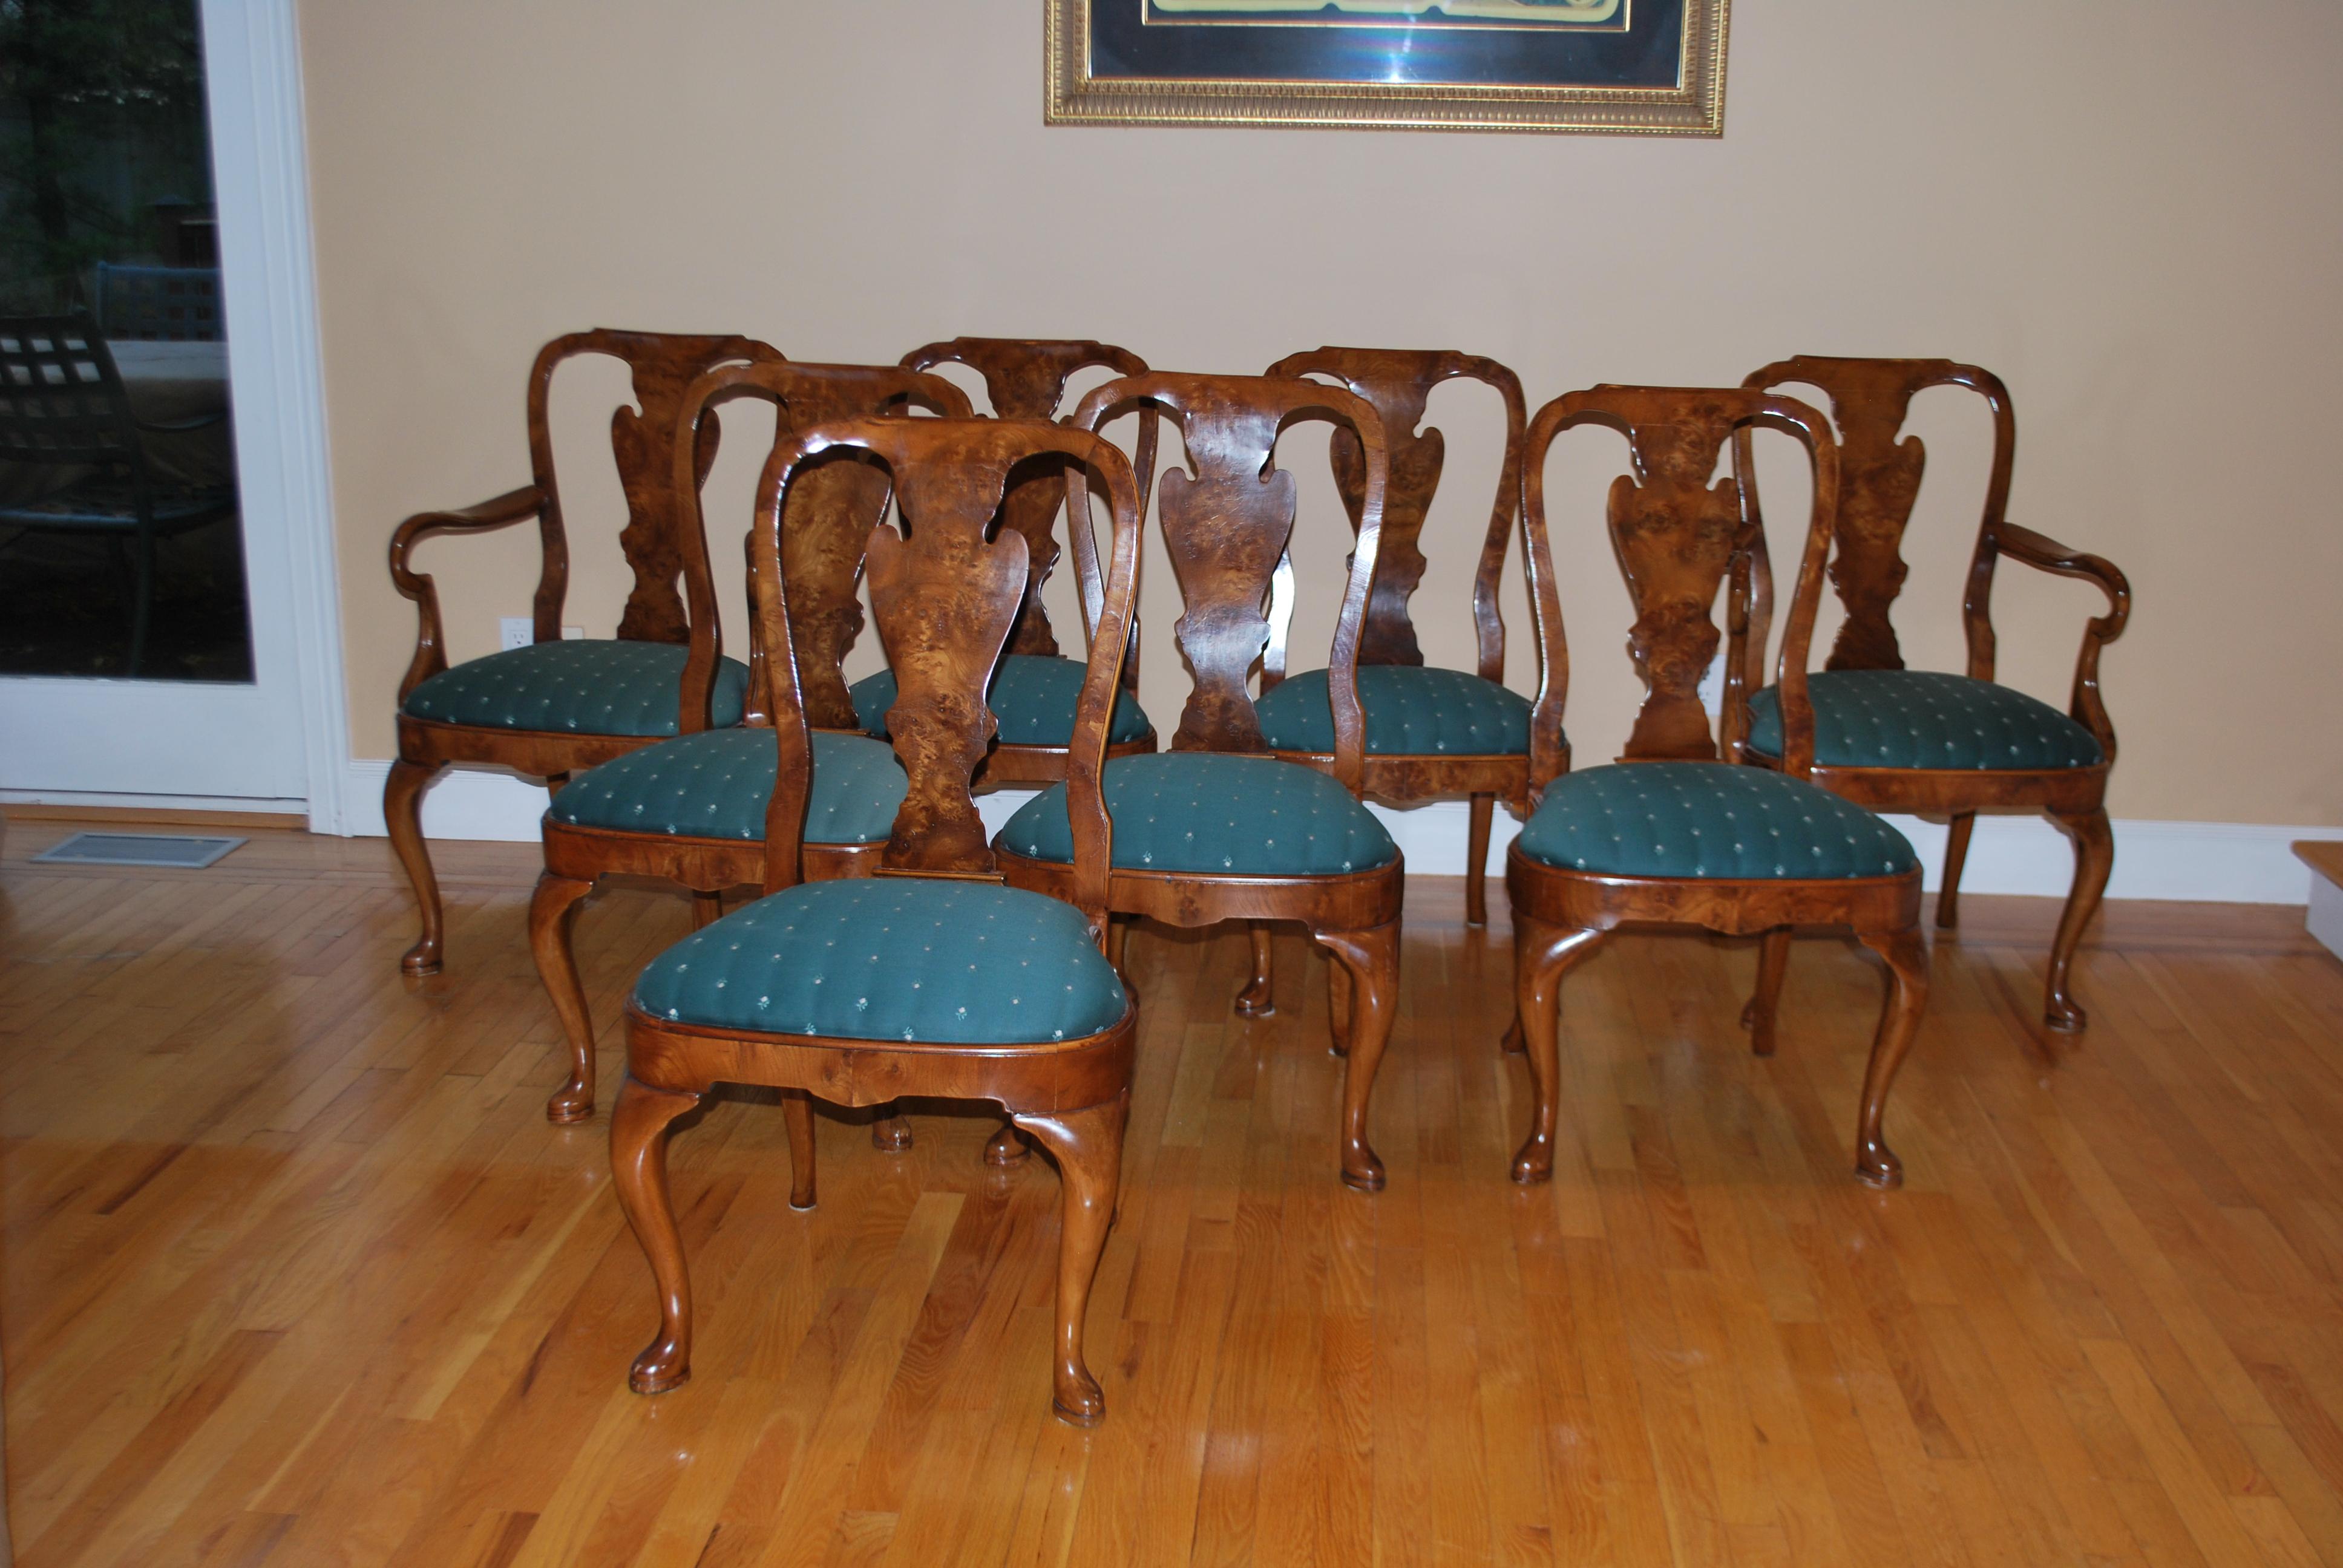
{"points": [[717, 784], [1924, 718], [582, 686], [1033, 695], [1707, 819], [1411, 710], [1210, 813], [892, 959]]}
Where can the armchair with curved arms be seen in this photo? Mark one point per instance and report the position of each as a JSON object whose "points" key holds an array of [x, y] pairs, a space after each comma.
{"points": [[1897, 739], [554, 707]]}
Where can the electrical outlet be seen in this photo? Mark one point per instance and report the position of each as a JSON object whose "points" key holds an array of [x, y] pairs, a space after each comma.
{"points": [[520, 630]]}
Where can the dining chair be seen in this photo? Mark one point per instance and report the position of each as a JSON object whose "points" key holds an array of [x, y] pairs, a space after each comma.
{"points": [[1035, 691], [928, 977], [554, 707], [1673, 832], [691, 809], [1432, 734], [1898, 740], [66, 421], [1217, 829]]}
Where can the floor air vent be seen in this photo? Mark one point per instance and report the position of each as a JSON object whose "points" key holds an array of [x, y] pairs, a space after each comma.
{"points": [[189, 854]]}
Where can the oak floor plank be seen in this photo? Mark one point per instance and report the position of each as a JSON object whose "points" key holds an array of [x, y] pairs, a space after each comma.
{"points": [[293, 1271]]}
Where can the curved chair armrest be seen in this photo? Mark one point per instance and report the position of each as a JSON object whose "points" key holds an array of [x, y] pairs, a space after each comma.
{"points": [[503, 511], [2046, 554]]}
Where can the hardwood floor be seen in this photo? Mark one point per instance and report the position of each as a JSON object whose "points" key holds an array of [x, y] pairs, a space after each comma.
{"points": [[295, 1273]]}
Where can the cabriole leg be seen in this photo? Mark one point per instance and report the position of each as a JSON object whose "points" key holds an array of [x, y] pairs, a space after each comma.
{"points": [[1956, 855], [891, 1132], [638, 1125], [1541, 955], [1371, 958], [1765, 1000], [402, 812], [1899, 1020], [1117, 933], [1088, 1144], [551, 913], [1476, 860], [1339, 1010], [1006, 1147], [2095, 857], [1258, 1000], [797, 1116], [706, 908]]}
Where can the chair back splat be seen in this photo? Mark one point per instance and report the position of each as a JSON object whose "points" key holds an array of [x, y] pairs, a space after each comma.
{"points": [[831, 514], [945, 595], [1025, 378], [1677, 540], [663, 365], [1227, 530], [1398, 383], [1869, 399]]}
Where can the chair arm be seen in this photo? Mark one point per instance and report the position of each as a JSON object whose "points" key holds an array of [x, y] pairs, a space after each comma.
{"points": [[2046, 554], [430, 653]]}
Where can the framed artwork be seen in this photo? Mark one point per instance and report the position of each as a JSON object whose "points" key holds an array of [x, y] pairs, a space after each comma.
{"points": [[1646, 67]]}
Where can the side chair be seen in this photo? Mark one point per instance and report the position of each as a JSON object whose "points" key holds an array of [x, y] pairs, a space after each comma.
{"points": [[1035, 691], [1898, 740], [554, 706], [1432, 733], [691, 809], [1217, 829], [1672, 832], [928, 977]]}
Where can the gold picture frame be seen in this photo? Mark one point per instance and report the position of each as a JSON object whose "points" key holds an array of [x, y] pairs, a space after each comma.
{"points": [[1202, 66]]}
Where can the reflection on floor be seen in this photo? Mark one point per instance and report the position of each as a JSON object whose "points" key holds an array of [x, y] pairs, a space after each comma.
{"points": [[297, 1273], [65, 606]]}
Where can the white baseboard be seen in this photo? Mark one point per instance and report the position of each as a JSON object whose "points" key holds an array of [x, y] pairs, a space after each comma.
{"points": [[2216, 862], [2325, 916], [141, 802], [486, 803], [493, 805]]}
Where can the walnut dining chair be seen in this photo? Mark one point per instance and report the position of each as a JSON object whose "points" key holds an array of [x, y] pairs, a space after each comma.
{"points": [[1898, 740], [928, 977], [691, 809], [1216, 828], [1673, 832], [1035, 691], [1432, 734], [554, 707]]}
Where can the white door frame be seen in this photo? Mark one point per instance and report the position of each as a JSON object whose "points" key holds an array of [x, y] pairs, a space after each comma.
{"points": [[281, 742], [252, 57]]}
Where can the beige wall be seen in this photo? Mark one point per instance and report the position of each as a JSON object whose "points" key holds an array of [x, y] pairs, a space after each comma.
{"points": [[2129, 209]]}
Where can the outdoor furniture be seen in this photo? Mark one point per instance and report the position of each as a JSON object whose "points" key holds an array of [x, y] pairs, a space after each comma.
{"points": [[80, 458]]}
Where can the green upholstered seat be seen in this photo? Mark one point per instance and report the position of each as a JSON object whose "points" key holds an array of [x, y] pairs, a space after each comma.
{"points": [[582, 686], [1924, 718], [892, 959], [1412, 712], [1707, 819], [1214, 813], [716, 785], [1033, 697]]}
